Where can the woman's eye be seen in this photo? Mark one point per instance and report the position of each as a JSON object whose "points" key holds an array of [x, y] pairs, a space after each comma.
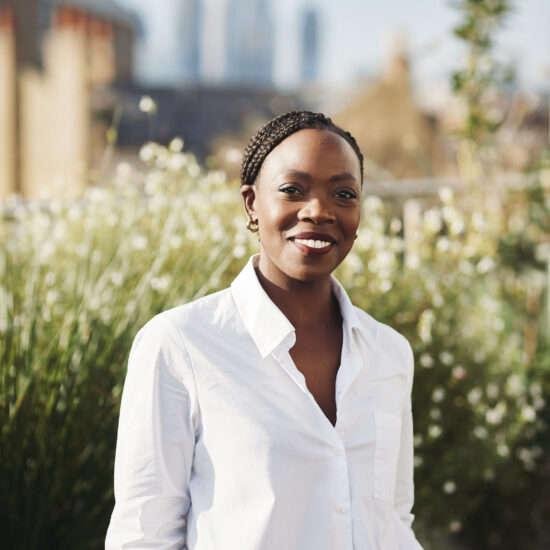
{"points": [[344, 194], [289, 190]]}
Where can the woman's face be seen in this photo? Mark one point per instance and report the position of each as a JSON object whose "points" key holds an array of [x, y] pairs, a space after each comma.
{"points": [[307, 202]]}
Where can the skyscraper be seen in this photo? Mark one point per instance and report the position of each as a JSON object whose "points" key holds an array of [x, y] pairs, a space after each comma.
{"points": [[190, 21], [310, 46], [250, 42]]}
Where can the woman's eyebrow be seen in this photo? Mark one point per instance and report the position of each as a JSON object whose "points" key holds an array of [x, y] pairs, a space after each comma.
{"points": [[297, 174], [345, 176]]}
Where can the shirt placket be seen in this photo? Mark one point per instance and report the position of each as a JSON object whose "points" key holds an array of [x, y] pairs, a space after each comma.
{"points": [[336, 452]]}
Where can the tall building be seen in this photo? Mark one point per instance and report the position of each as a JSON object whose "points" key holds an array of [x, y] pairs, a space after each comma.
{"points": [[190, 20], [213, 41], [310, 46], [249, 42]]}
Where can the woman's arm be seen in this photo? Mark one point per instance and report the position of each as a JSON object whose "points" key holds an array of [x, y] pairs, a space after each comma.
{"points": [[156, 437]]}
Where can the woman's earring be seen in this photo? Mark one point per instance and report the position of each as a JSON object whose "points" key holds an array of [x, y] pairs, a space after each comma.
{"points": [[356, 235], [252, 225]]}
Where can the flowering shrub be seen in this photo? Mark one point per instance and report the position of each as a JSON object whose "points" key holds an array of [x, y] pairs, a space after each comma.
{"points": [[79, 279]]}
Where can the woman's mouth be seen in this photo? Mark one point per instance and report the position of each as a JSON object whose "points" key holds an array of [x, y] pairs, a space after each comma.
{"points": [[312, 245]]}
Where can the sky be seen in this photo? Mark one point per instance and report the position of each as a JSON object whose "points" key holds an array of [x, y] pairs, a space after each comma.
{"points": [[356, 38]]}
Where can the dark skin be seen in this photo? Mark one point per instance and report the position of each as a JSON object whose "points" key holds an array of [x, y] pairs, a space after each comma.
{"points": [[318, 346], [306, 201]]}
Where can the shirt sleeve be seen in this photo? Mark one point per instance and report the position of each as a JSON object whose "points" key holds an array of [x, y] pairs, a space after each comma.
{"points": [[404, 488], [155, 445]]}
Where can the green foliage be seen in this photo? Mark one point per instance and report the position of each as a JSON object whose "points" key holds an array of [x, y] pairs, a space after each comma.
{"points": [[479, 81], [79, 279]]}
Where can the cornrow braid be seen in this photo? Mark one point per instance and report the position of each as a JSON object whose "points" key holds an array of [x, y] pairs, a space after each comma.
{"points": [[279, 128]]}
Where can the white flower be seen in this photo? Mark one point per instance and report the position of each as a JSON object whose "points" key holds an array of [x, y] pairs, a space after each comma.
{"points": [[426, 361], [485, 264], [457, 226], [176, 145], [194, 170], [455, 526], [434, 430], [474, 396], [123, 170], [74, 213], [147, 105], [492, 391], [175, 241], [496, 414], [514, 385], [438, 395], [139, 242], [459, 372], [233, 156], [239, 251], [412, 261], [373, 203], [49, 279], [503, 449], [147, 152], [481, 432], [432, 220], [176, 162], [117, 278], [449, 487], [425, 325], [445, 194], [395, 225], [443, 244], [478, 221], [446, 358], [161, 283], [528, 413], [354, 261], [385, 286], [52, 296]]}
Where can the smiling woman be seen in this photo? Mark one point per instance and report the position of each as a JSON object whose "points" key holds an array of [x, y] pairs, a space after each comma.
{"points": [[274, 414]]}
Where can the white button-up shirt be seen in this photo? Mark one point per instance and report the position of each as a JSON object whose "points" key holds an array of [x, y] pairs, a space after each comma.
{"points": [[221, 446]]}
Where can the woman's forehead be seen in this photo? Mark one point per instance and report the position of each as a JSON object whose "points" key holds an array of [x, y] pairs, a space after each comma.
{"points": [[313, 151]]}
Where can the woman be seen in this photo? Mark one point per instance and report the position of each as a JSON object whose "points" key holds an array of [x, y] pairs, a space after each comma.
{"points": [[273, 415]]}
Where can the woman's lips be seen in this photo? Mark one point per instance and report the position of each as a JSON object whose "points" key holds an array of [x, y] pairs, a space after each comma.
{"points": [[312, 247]]}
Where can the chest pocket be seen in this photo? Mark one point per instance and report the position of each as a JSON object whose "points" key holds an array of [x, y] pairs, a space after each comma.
{"points": [[386, 454]]}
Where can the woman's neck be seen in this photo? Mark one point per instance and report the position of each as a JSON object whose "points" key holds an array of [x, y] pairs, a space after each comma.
{"points": [[303, 303]]}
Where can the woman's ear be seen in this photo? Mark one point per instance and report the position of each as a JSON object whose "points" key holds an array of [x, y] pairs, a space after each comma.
{"points": [[248, 193]]}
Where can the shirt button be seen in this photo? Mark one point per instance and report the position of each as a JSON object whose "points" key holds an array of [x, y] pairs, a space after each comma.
{"points": [[341, 509], [337, 451]]}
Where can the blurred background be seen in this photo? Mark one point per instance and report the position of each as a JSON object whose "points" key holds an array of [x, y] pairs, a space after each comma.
{"points": [[122, 125]]}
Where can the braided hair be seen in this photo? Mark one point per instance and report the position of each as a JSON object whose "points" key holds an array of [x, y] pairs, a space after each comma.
{"points": [[279, 128]]}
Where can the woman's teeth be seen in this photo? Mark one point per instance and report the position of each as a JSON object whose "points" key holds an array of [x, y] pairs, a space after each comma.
{"points": [[312, 243]]}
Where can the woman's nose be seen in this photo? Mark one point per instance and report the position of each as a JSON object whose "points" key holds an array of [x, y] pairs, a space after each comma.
{"points": [[317, 210]]}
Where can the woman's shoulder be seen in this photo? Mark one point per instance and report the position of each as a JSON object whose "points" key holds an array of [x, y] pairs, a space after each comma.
{"points": [[202, 311], [383, 334]]}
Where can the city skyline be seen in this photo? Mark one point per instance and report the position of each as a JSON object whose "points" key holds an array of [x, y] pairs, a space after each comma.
{"points": [[354, 40]]}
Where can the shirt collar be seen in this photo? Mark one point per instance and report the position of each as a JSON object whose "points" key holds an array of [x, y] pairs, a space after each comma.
{"points": [[265, 322]]}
